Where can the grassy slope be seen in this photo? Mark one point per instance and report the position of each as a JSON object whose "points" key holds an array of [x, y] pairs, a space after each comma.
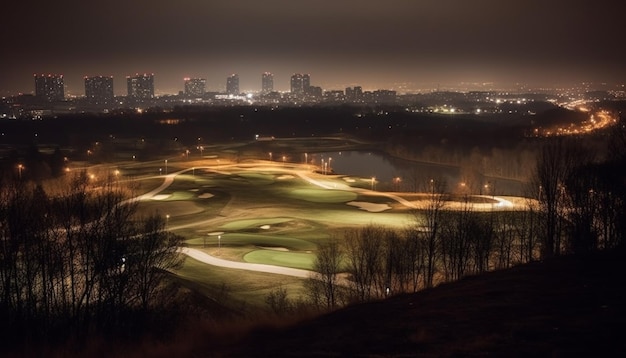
{"points": [[564, 307]]}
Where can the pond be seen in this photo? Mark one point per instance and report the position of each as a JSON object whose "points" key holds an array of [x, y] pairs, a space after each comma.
{"points": [[393, 174]]}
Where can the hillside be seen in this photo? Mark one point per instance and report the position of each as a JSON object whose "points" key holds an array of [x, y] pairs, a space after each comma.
{"points": [[569, 306]]}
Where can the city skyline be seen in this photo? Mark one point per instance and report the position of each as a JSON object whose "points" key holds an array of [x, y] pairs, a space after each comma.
{"points": [[198, 86], [392, 44]]}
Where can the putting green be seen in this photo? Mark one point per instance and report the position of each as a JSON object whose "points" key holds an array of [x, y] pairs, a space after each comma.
{"points": [[322, 196], [298, 260], [242, 239]]}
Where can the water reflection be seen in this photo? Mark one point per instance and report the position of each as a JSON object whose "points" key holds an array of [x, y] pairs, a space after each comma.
{"points": [[392, 174]]}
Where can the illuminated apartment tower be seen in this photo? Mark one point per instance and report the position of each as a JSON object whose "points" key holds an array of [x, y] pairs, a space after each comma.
{"points": [[354, 94], [232, 84], [195, 87], [99, 89], [140, 86], [49, 88], [300, 83], [267, 82]]}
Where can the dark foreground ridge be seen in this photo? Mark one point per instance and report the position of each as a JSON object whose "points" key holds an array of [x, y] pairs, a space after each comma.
{"points": [[565, 307]]}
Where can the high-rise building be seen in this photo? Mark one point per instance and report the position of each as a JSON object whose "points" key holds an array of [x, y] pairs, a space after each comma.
{"points": [[232, 84], [354, 94], [140, 86], [99, 89], [267, 82], [306, 81], [195, 87], [300, 83], [384, 96], [49, 88]]}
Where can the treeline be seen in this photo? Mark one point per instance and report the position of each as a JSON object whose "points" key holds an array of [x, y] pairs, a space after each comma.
{"points": [[78, 260], [377, 261], [576, 205]]}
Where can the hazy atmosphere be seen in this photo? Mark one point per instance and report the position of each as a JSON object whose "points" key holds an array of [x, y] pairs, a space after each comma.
{"points": [[297, 178], [397, 44]]}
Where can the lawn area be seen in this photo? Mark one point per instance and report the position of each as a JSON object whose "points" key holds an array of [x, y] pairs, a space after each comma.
{"points": [[253, 223], [281, 258], [322, 195], [262, 216], [240, 290], [274, 241]]}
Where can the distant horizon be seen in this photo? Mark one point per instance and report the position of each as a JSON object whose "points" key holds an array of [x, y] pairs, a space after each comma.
{"points": [[74, 85], [391, 44]]}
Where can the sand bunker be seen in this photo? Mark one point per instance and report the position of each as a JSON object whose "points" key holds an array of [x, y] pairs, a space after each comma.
{"points": [[349, 180], [371, 207], [161, 197], [283, 177], [205, 196], [193, 189], [265, 227], [215, 233]]}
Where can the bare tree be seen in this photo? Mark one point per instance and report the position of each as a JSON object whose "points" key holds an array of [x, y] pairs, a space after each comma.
{"points": [[324, 290], [455, 242], [278, 301], [364, 257], [555, 163], [432, 211], [150, 255], [76, 258]]}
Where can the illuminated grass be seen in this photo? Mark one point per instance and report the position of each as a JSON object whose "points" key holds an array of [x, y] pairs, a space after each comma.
{"points": [[243, 239], [257, 178], [298, 260], [322, 196], [253, 223]]}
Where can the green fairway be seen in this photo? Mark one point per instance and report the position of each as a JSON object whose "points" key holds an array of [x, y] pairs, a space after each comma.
{"points": [[253, 223], [322, 195], [244, 239], [281, 258], [258, 213], [257, 178]]}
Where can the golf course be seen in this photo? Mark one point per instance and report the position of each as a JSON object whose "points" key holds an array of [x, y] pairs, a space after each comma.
{"points": [[252, 225]]}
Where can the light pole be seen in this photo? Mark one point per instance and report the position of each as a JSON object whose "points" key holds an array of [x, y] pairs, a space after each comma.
{"points": [[219, 243], [270, 153], [373, 179], [165, 166], [167, 220], [306, 158], [330, 167], [283, 160], [19, 170], [397, 181]]}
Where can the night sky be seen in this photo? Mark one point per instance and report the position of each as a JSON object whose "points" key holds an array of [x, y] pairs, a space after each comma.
{"points": [[395, 44]]}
